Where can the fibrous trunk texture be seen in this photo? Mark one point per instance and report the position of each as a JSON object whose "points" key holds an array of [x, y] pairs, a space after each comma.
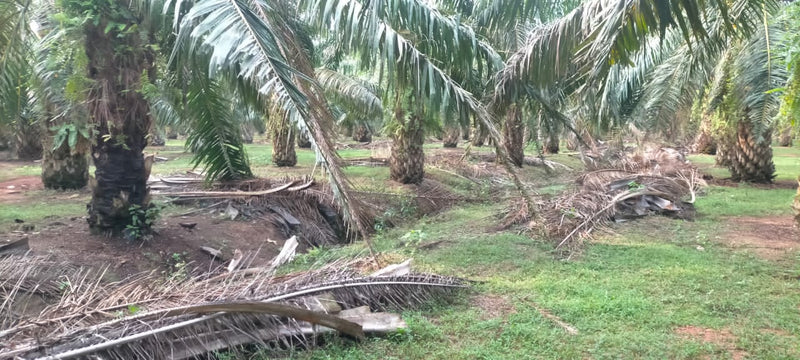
{"points": [[117, 62], [786, 138], [362, 133], [513, 137], [156, 138], [63, 168], [796, 204], [450, 136], [551, 144], [172, 133], [704, 142], [283, 153], [479, 134], [247, 133], [303, 141], [29, 139], [407, 162], [747, 157], [465, 132]]}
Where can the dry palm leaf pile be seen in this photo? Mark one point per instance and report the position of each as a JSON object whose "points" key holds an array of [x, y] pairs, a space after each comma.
{"points": [[297, 206], [147, 316], [658, 182]]}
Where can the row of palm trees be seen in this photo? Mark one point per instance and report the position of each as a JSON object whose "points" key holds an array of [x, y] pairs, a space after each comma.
{"points": [[101, 73]]}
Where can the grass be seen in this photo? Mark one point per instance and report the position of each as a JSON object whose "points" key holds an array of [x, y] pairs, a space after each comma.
{"points": [[41, 206]]}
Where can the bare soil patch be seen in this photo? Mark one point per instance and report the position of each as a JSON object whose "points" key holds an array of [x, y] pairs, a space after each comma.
{"points": [[493, 306], [14, 190], [771, 238], [70, 241], [722, 338]]}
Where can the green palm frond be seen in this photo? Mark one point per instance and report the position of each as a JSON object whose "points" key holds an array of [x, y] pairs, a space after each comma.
{"points": [[359, 97], [758, 72], [497, 14], [253, 44], [214, 136], [578, 50], [15, 55]]}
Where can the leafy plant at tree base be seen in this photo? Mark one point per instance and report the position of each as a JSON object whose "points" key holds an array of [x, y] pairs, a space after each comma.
{"points": [[142, 221]]}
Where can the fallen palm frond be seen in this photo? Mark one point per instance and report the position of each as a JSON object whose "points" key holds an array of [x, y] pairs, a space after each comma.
{"points": [[147, 317], [297, 207], [658, 182]]}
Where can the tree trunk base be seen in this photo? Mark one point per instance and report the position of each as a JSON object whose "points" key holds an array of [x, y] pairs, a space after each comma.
{"points": [[62, 169], [120, 184], [283, 153], [748, 159], [513, 137], [362, 134], [407, 161], [786, 138], [303, 141], [450, 138], [479, 134]]}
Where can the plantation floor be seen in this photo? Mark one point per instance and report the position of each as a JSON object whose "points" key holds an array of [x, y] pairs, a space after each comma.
{"points": [[725, 286]]}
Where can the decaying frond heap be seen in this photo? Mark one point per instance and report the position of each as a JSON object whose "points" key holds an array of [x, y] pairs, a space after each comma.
{"points": [[298, 207], [652, 183], [147, 317]]}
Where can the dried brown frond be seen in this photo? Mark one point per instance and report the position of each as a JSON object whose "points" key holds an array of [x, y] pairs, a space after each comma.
{"points": [[147, 317], [659, 182]]}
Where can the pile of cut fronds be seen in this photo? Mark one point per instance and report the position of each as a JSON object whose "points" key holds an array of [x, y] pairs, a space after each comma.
{"points": [[297, 206], [654, 183], [148, 316]]}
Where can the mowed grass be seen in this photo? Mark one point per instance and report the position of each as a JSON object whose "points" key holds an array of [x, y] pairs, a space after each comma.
{"points": [[625, 293]]}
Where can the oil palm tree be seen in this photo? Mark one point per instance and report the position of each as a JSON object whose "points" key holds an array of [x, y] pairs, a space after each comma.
{"points": [[415, 50]]}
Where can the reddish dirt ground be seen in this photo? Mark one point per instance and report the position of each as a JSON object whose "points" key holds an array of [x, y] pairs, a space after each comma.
{"points": [[69, 240], [722, 338], [14, 190], [771, 238]]}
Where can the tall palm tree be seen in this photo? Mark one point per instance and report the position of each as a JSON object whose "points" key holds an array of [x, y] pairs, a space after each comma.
{"points": [[415, 49]]}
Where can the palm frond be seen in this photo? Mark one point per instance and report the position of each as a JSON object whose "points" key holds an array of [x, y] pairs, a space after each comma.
{"points": [[196, 317], [214, 135], [759, 71], [251, 42], [15, 55], [360, 97], [497, 14]]}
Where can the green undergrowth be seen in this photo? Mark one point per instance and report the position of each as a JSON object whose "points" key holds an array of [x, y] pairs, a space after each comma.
{"points": [[626, 292], [42, 206]]}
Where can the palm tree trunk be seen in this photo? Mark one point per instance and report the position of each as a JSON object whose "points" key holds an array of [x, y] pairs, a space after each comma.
{"points": [[479, 134], [64, 168], [116, 63], [704, 142], [465, 132], [172, 133], [513, 137], [796, 204], [551, 144], [283, 153], [362, 133], [748, 158], [29, 139], [450, 136], [407, 162], [247, 133], [303, 141], [786, 138]]}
